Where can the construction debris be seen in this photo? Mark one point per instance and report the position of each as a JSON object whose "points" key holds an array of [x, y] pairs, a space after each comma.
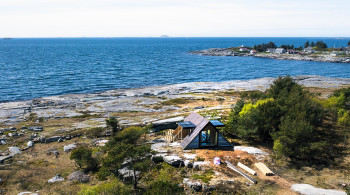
{"points": [[231, 166], [249, 170], [264, 169]]}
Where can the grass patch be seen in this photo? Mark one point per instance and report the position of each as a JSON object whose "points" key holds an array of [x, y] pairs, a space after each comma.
{"points": [[88, 115], [157, 107], [205, 177], [175, 101]]}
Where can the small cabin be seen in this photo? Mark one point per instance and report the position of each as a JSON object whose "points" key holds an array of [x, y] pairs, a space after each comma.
{"points": [[198, 132]]}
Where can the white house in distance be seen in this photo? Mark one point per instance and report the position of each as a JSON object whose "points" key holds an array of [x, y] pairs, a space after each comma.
{"points": [[308, 50], [280, 50], [270, 50], [243, 49], [253, 51]]}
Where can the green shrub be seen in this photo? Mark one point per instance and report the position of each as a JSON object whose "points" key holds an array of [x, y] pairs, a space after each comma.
{"points": [[107, 188], [83, 158], [113, 123], [94, 132], [163, 187]]}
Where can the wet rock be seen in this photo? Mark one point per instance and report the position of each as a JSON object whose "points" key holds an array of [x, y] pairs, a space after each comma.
{"points": [[79, 176], [69, 147], [56, 178]]}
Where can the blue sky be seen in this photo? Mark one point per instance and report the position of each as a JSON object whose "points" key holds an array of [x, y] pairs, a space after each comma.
{"points": [[177, 18]]}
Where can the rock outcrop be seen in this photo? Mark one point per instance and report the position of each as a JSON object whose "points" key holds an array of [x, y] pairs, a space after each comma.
{"points": [[79, 176]]}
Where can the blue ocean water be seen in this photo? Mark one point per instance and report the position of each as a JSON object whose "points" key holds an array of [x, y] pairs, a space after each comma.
{"points": [[32, 68]]}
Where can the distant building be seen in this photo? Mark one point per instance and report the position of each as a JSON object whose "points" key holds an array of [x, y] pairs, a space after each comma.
{"points": [[243, 49], [309, 50], [280, 50], [270, 50], [292, 51], [253, 51], [334, 54]]}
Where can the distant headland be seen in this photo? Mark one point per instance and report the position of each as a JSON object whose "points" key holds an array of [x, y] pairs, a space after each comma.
{"points": [[318, 51]]}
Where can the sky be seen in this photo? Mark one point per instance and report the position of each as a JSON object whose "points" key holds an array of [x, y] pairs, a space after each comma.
{"points": [[176, 18]]}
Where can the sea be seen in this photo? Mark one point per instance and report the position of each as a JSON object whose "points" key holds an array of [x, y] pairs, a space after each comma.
{"points": [[38, 67]]}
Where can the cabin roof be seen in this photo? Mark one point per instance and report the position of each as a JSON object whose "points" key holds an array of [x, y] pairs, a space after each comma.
{"points": [[200, 123], [217, 123], [186, 124]]}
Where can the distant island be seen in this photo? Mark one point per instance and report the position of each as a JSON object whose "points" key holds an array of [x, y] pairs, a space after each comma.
{"points": [[318, 51]]}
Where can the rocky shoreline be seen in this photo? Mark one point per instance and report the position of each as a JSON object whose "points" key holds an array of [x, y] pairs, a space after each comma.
{"points": [[138, 100], [309, 57]]}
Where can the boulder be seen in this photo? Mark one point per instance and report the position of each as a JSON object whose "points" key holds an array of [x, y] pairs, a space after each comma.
{"points": [[101, 143], [51, 139], [307, 189], [69, 147], [30, 144], [200, 164], [27, 193], [159, 147], [14, 150], [56, 178], [194, 185], [127, 174], [158, 157], [53, 151], [190, 156], [188, 163], [173, 160], [79, 176]]}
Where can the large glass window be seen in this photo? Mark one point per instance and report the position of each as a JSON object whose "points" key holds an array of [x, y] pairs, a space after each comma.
{"points": [[208, 138]]}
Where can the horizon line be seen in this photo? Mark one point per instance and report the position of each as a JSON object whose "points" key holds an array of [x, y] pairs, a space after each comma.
{"points": [[165, 37]]}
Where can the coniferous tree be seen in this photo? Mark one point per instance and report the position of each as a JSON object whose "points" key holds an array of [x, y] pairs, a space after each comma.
{"points": [[306, 44], [312, 44]]}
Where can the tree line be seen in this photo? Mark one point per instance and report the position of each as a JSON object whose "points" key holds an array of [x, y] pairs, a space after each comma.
{"points": [[290, 120], [319, 45]]}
